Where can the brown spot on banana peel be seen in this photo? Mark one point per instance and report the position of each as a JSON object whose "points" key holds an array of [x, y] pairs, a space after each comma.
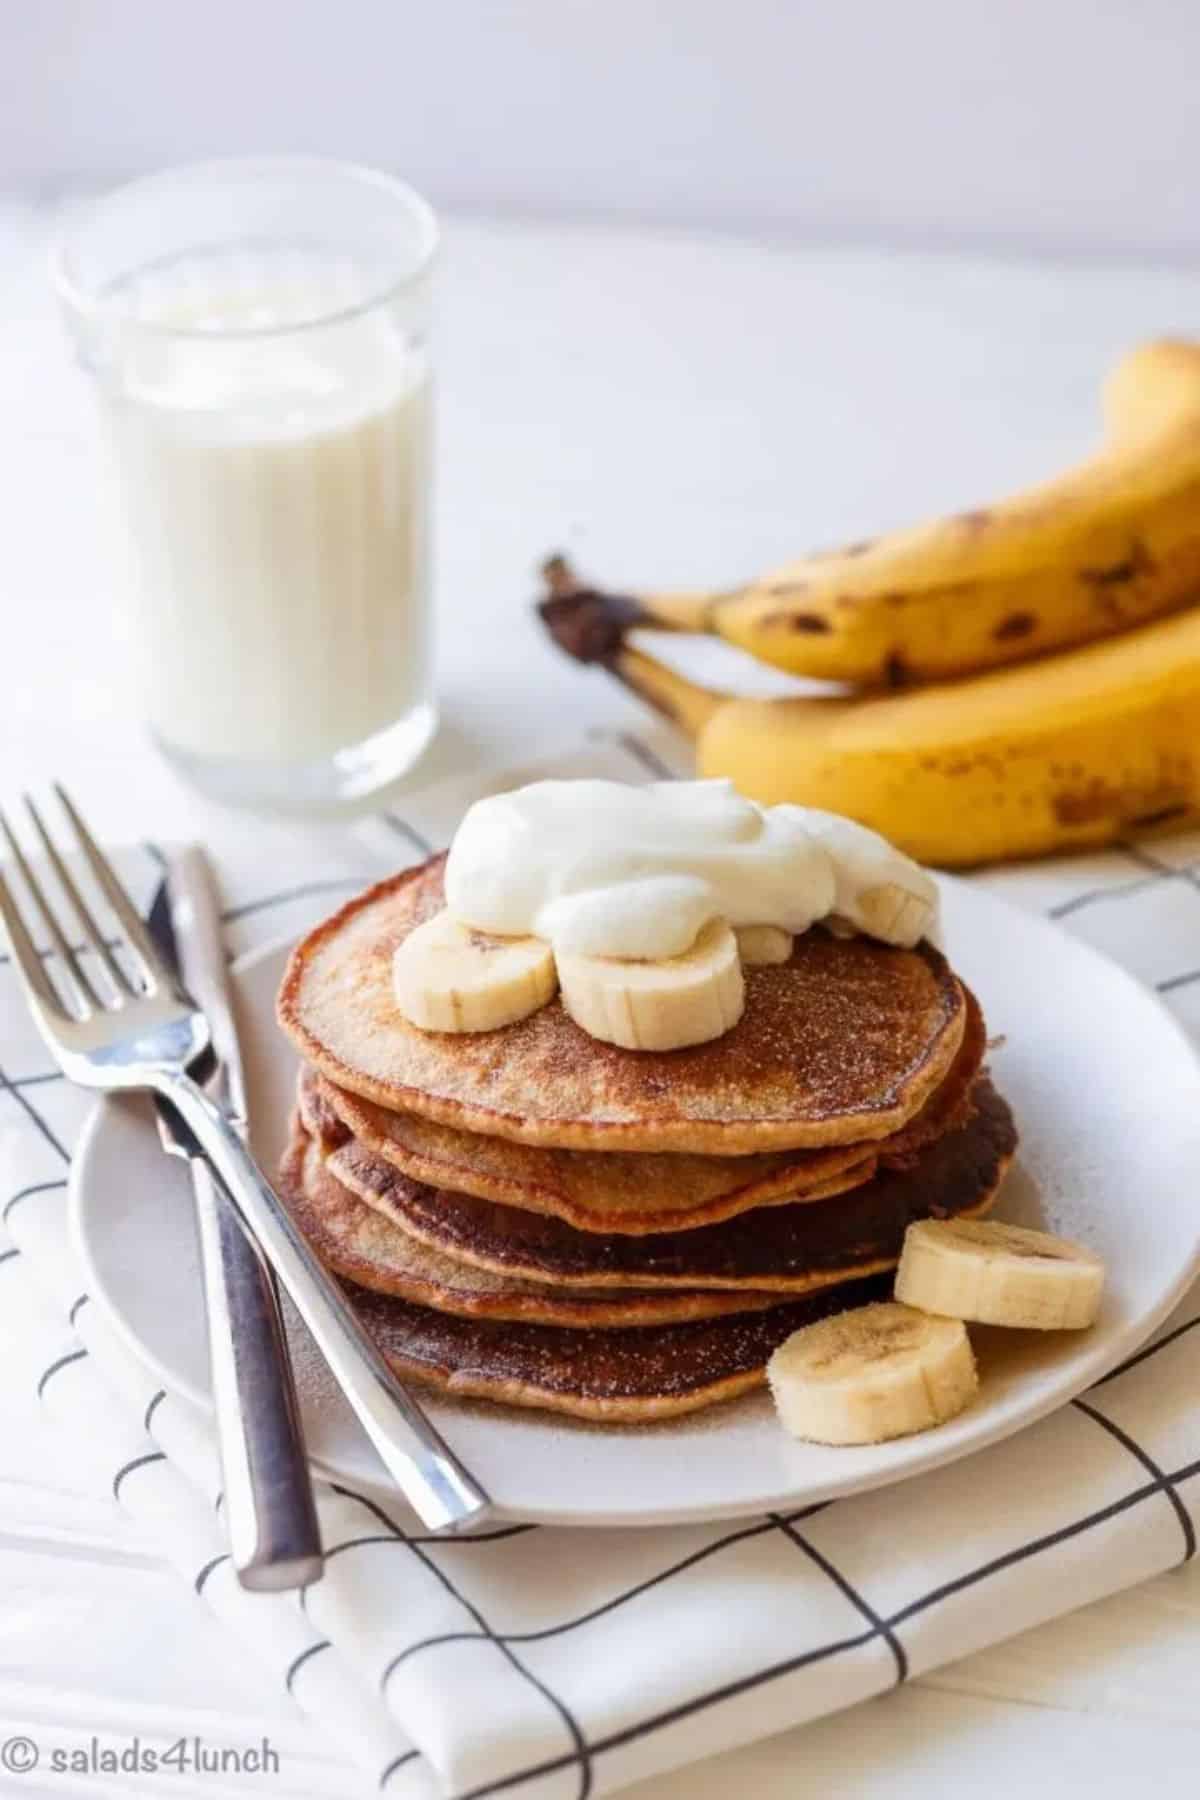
{"points": [[806, 622], [1099, 802], [1017, 625], [1088, 806], [1165, 815], [1137, 562]]}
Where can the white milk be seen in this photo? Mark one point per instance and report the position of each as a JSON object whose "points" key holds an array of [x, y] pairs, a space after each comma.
{"points": [[274, 476]]}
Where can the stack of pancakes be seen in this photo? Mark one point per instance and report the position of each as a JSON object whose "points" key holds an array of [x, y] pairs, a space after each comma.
{"points": [[530, 1215]]}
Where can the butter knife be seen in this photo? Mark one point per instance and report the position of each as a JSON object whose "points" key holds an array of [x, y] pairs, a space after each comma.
{"points": [[270, 1512]]}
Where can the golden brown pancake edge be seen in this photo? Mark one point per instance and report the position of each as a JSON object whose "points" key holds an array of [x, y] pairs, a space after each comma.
{"points": [[364, 1246], [842, 1044], [611, 1377], [595, 1190], [631, 1191], [784, 1249]]}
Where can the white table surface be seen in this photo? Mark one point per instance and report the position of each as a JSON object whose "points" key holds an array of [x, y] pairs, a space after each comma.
{"points": [[674, 410]]}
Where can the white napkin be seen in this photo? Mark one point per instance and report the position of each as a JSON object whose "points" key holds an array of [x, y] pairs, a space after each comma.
{"points": [[547, 1663]]}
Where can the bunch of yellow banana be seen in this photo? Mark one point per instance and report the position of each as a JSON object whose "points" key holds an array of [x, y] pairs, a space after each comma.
{"points": [[1027, 755]]}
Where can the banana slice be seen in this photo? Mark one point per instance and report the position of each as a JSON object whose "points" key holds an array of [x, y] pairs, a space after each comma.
{"points": [[838, 927], [896, 914], [760, 944], [663, 1005], [874, 1373], [876, 887], [999, 1275], [447, 977]]}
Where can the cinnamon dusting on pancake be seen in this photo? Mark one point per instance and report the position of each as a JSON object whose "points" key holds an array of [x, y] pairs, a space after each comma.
{"points": [[841, 1044], [630, 1191]]}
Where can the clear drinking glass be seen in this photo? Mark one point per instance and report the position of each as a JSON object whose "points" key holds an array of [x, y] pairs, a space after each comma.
{"points": [[257, 333]]}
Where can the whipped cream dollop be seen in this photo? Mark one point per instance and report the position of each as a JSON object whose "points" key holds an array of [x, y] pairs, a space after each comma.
{"points": [[598, 868]]}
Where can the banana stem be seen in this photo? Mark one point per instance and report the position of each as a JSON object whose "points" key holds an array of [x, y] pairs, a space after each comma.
{"points": [[683, 612], [684, 702], [593, 627], [691, 612]]}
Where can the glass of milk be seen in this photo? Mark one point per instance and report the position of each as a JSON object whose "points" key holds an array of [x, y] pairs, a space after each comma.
{"points": [[257, 333]]}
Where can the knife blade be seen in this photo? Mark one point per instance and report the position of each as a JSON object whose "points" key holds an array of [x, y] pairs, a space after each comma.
{"points": [[270, 1511]]}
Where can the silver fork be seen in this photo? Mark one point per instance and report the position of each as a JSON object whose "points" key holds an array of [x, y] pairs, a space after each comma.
{"points": [[147, 1034]]}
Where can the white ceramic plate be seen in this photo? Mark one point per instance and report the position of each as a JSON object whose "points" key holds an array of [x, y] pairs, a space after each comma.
{"points": [[1106, 1091]]}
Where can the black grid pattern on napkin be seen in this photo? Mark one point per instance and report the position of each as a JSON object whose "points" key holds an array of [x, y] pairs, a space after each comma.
{"points": [[1130, 894], [578, 1761], [580, 1758]]}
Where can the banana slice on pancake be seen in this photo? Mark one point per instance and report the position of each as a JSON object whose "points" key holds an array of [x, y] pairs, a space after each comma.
{"points": [[999, 1274], [759, 945], [688, 999], [878, 889], [894, 913], [447, 977], [876, 1373]]}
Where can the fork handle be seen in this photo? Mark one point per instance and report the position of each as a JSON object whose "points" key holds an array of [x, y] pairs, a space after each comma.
{"points": [[270, 1512], [443, 1494]]}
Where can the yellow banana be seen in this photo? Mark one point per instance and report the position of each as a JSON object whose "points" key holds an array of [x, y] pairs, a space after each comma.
{"points": [[1106, 546], [1066, 752]]}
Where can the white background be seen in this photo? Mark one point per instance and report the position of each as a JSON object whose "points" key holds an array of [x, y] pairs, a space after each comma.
{"points": [[1067, 124], [583, 400]]}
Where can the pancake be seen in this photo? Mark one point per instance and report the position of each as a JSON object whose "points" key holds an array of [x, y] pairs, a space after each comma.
{"points": [[612, 1377], [841, 1044], [782, 1249], [363, 1246], [596, 1190]]}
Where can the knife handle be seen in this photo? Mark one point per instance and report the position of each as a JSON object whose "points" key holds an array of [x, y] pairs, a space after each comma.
{"points": [[270, 1512]]}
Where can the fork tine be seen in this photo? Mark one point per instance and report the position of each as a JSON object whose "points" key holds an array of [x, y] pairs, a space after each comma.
{"points": [[28, 963], [85, 992], [79, 905], [127, 914]]}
